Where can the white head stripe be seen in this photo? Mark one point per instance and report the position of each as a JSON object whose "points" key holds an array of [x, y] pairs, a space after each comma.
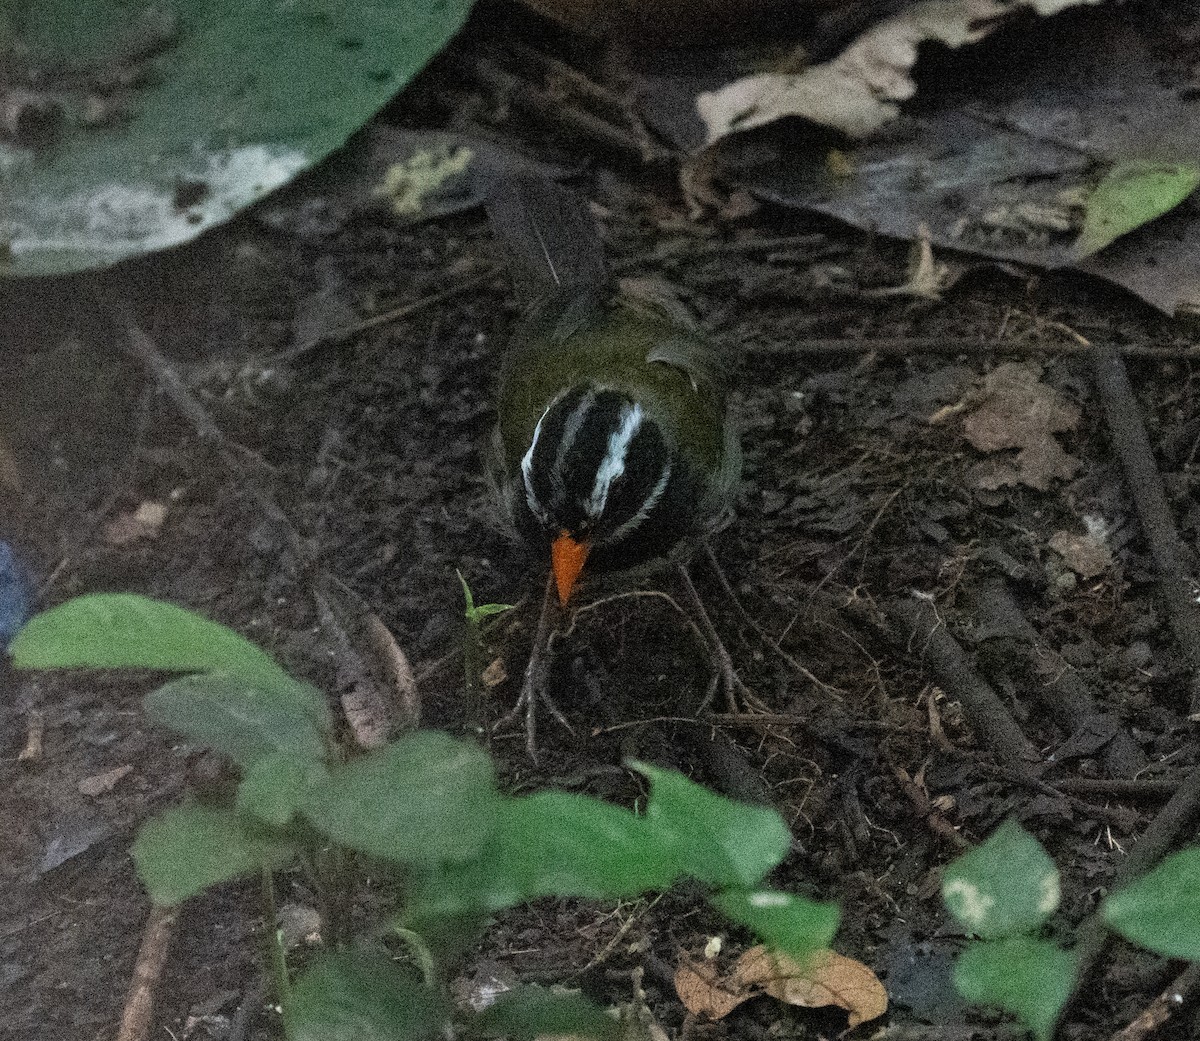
{"points": [[612, 465], [527, 472]]}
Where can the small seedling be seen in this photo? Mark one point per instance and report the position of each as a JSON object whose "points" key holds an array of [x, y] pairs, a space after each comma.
{"points": [[473, 653], [1005, 891], [424, 809]]}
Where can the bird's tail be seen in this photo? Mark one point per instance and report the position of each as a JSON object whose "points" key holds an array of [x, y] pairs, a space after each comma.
{"points": [[547, 234]]}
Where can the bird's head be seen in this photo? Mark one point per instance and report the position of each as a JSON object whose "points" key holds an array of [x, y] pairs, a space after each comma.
{"points": [[595, 474]]}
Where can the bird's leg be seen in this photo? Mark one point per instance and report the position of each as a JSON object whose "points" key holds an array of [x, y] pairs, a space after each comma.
{"points": [[537, 675], [725, 675]]}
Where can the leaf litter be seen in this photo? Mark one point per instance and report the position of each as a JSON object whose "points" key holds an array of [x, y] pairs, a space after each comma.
{"points": [[824, 978], [1018, 411]]}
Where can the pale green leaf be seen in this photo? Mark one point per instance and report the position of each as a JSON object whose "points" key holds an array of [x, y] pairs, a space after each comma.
{"points": [[1133, 194], [1007, 885]]}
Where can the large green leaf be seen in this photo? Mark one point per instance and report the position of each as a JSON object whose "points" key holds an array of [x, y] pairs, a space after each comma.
{"points": [[192, 847], [241, 719], [423, 799], [529, 1012], [714, 839], [275, 787], [1161, 910], [125, 631], [1007, 885], [1030, 978], [791, 924], [361, 996], [550, 844], [235, 98]]}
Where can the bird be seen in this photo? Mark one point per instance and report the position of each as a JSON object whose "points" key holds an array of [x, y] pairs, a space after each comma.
{"points": [[614, 449]]}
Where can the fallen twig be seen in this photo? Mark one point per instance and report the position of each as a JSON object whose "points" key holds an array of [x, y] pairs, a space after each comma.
{"points": [[151, 959], [1161, 1008], [1064, 694], [1154, 844], [907, 346], [1119, 788], [1149, 496], [915, 625]]}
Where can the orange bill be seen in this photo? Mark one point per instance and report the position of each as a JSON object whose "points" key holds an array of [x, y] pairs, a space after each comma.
{"points": [[567, 557]]}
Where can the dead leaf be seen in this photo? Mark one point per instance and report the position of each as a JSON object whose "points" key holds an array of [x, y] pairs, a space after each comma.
{"points": [[824, 978], [861, 89], [378, 690], [98, 784], [407, 700], [143, 523], [1086, 555], [494, 674], [1019, 411], [704, 992]]}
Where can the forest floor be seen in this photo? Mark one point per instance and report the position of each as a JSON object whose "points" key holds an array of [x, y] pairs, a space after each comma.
{"points": [[932, 504]]}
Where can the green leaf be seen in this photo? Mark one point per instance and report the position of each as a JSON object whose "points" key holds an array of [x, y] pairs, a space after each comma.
{"points": [[423, 799], [525, 1013], [125, 631], [714, 839], [235, 99], [487, 610], [191, 847], [1007, 885], [1132, 194], [241, 720], [361, 996], [275, 786], [473, 613], [1030, 978], [791, 924], [1161, 910], [549, 844]]}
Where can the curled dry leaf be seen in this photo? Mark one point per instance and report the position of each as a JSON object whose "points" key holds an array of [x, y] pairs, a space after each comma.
{"points": [[1019, 411], [861, 89], [399, 673], [824, 978], [705, 992]]}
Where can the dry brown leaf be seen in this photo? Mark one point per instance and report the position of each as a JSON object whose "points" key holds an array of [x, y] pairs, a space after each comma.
{"points": [[861, 89], [399, 673], [705, 992], [1086, 555], [494, 674], [824, 978], [1019, 411], [98, 784]]}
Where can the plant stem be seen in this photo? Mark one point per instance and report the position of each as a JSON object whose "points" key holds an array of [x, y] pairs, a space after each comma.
{"points": [[280, 981], [421, 953]]}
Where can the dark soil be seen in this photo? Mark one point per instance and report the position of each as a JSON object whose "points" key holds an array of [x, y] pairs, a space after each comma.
{"points": [[860, 490]]}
